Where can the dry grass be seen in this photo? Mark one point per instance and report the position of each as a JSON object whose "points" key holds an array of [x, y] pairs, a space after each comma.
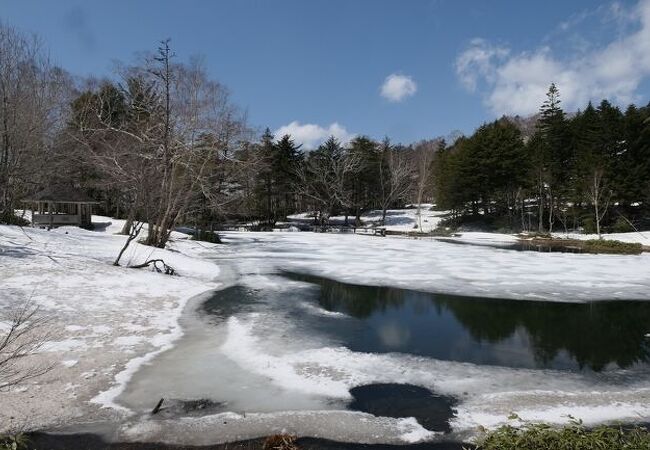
{"points": [[280, 442]]}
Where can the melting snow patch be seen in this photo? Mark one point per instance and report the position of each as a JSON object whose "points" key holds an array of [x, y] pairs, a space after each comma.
{"points": [[128, 341], [66, 345], [102, 329], [413, 432], [321, 311]]}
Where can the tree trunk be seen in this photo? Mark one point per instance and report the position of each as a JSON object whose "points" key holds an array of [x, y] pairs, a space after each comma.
{"points": [[595, 197], [134, 231], [126, 229], [550, 213], [540, 206]]}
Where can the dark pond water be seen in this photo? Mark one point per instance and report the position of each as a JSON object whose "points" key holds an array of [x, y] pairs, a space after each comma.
{"points": [[573, 336], [432, 411]]}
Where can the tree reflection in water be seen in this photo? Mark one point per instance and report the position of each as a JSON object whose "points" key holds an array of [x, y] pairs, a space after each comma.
{"points": [[492, 331]]}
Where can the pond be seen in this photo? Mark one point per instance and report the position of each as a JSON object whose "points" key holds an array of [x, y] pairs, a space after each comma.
{"points": [[513, 333], [316, 355]]}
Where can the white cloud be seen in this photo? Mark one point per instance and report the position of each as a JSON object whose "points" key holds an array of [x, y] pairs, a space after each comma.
{"points": [[517, 83], [311, 135], [478, 62], [397, 87]]}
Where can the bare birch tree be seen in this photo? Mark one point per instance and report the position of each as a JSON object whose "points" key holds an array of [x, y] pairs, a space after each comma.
{"points": [[424, 153], [396, 177], [599, 196]]}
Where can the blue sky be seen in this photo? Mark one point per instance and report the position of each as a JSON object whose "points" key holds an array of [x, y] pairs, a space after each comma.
{"points": [[315, 67]]}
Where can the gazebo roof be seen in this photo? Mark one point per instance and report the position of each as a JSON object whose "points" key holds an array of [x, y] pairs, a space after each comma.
{"points": [[60, 194]]}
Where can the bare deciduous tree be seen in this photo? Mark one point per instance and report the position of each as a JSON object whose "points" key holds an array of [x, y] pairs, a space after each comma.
{"points": [[423, 158], [396, 177], [32, 98], [599, 196], [324, 177], [164, 139]]}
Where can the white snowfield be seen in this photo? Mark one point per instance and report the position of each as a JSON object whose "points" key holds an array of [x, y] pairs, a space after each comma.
{"points": [[427, 264], [110, 321]]}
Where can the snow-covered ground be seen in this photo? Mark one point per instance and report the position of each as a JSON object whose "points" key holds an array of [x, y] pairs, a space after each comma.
{"points": [[105, 321], [108, 321], [403, 220]]}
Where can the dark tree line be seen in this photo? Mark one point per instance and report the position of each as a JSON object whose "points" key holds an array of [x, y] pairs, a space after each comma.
{"points": [[337, 179], [589, 170]]}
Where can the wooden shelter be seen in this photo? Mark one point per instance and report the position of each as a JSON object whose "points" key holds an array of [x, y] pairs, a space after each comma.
{"points": [[56, 206]]}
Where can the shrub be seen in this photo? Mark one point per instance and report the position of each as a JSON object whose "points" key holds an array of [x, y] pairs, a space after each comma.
{"points": [[571, 437], [537, 235], [13, 219], [206, 236], [613, 247], [13, 442], [621, 226], [588, 225], [442, 231]]}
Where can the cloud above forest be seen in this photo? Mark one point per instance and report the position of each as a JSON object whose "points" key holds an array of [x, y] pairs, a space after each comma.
{"points": [[516, 82], [311, 135], [398, 87]]}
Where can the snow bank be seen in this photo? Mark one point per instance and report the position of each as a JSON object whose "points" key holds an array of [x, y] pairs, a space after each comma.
{"points": [[94, 309], [482, 238], [344, 426]]}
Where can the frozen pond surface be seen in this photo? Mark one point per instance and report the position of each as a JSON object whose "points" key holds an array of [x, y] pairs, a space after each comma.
{"points": [[277, 350]]}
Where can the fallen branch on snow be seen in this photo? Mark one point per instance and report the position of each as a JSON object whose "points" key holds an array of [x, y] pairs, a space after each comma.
{"points": [[166, 269]]}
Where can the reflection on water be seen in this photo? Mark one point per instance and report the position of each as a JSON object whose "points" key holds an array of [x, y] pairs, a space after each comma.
{"points": [[575, 336]]}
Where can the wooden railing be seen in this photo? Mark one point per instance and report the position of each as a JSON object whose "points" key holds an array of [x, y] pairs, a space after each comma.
{"points": [[55, 219]]}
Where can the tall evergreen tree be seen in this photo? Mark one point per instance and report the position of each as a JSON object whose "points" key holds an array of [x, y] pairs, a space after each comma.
{"points": [[552, 160]]}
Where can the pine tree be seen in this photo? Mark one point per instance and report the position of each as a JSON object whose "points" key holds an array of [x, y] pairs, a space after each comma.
{"points": [[265, 181], [552, 161], [286, 161], [364, 184]]}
